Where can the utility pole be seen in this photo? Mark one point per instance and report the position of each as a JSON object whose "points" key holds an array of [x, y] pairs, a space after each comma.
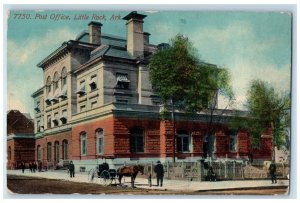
{"points": [[173, 126]]}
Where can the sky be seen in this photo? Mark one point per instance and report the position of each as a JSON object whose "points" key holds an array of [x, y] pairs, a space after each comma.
{"points": [[251, 45]]}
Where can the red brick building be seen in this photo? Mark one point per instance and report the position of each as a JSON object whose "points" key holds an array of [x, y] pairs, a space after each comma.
{"points": [[98, 104], [20, 139]]}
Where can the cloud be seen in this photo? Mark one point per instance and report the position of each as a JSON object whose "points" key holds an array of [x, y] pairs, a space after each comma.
{"points": [[28, 50]]}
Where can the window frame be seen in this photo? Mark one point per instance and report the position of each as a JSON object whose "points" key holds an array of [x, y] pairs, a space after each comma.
{"points": [[136, 145], [83, 144], [182, 135], [100, 148]]}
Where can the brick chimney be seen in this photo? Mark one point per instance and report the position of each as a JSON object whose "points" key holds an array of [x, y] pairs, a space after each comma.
{"points": [[95, 32], [135, 34]]}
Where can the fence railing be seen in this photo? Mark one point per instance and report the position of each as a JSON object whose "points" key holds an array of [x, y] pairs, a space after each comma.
{"points": [[227, 170]]}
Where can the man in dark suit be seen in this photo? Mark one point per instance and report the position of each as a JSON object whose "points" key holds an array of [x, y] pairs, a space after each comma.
{"points": [[72, 169], [159, 170]]}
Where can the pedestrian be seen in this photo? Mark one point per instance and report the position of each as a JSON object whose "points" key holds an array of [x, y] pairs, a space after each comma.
{"points": [[159, 170], [72, 169], [150, 180], [272, 170], [34, 166], [23, 166], [40, 166], [30, 166]]}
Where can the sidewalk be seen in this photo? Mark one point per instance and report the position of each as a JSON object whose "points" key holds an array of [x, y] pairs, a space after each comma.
{"points": [[176, 185]]}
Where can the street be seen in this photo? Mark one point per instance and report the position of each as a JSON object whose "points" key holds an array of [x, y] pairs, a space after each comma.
{"points": [[35, 185]]}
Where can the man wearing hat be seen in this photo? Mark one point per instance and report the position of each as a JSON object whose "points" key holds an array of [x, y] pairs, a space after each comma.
{"points": [[159, 170]]}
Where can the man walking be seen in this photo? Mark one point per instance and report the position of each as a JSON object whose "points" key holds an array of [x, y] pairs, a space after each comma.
{"points": [[272, 170], [159, 170], [72, 169]]}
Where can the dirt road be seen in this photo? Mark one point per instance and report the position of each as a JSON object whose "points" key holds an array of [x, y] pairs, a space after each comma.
{"points": [[30, 185]]}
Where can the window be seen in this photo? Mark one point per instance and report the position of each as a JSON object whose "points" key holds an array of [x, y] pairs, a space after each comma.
{"points": [[55, 119], [63, 93], [83, 145], [232, 142], [56, 89], [56, 151], [81, 90], [183, 141], [48, 91], [48, 121], [137, 140], [64, 117], [9, 153], [65, 149], [39, 153], [122, 81], [100, 143], [38, 126], [37, 107], [93, 82], [93, 104], [49, 151], [123, 101], [82, 108]]}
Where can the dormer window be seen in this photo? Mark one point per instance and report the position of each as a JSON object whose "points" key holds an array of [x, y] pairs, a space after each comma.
{"points": [[81, 90], [93, 82], [122, 81]]}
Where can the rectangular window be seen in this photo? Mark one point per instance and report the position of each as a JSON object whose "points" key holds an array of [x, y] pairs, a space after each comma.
{"points": [[122, 81], [38, 126], [94, 104], [123, 101], [39, 153], [38, 106], [93, 82], [83, 144], [100, 148], [48, 121], [137, 140], [183, 143], [82, 108], [232, 146], [64, 117], [55, 120], [81, 90]]}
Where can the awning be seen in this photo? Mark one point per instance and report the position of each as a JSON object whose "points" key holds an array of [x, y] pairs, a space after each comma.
{"points": [[122, 78], [48, 99], [81, 89], [64, 116], [55, 96], [63, 93], [93, 80]]}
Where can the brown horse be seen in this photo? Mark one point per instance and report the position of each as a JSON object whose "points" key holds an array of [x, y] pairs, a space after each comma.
{"points": [[130, 171]]}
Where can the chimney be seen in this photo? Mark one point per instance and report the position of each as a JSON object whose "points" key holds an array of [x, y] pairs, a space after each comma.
{"points": [[95, 32], [146, 38], [135, 34]]}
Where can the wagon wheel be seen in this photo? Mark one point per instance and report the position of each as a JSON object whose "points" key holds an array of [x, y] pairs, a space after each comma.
{"points": [[92, 176], [105, 178]]}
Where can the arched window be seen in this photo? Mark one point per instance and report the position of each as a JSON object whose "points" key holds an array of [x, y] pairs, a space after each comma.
{"points": [[137, 140], [83, 145], [183, 141], [63, 77], [56, 151], [9, 153], [56, 79], [49, 151], [48, 85], [100, 139], [48, 91], [39, 153], [65, 149], [63, 94]]}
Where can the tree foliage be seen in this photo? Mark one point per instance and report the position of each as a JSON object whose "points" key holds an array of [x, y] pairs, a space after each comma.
{"points": [[177, 73], [268, 109]]}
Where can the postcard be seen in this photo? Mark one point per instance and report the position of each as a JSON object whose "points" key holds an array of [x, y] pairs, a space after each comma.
{"points": [[148, 102]]}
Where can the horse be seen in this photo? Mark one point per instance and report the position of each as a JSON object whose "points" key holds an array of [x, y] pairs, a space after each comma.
{"points": [[130, 171]]}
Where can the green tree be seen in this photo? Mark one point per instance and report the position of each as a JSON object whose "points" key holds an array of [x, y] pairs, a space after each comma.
{"points": [[267, 108], [182, 80]]}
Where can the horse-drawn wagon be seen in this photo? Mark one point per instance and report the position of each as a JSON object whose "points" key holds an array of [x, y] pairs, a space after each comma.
{"points": [[105, 176]]}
